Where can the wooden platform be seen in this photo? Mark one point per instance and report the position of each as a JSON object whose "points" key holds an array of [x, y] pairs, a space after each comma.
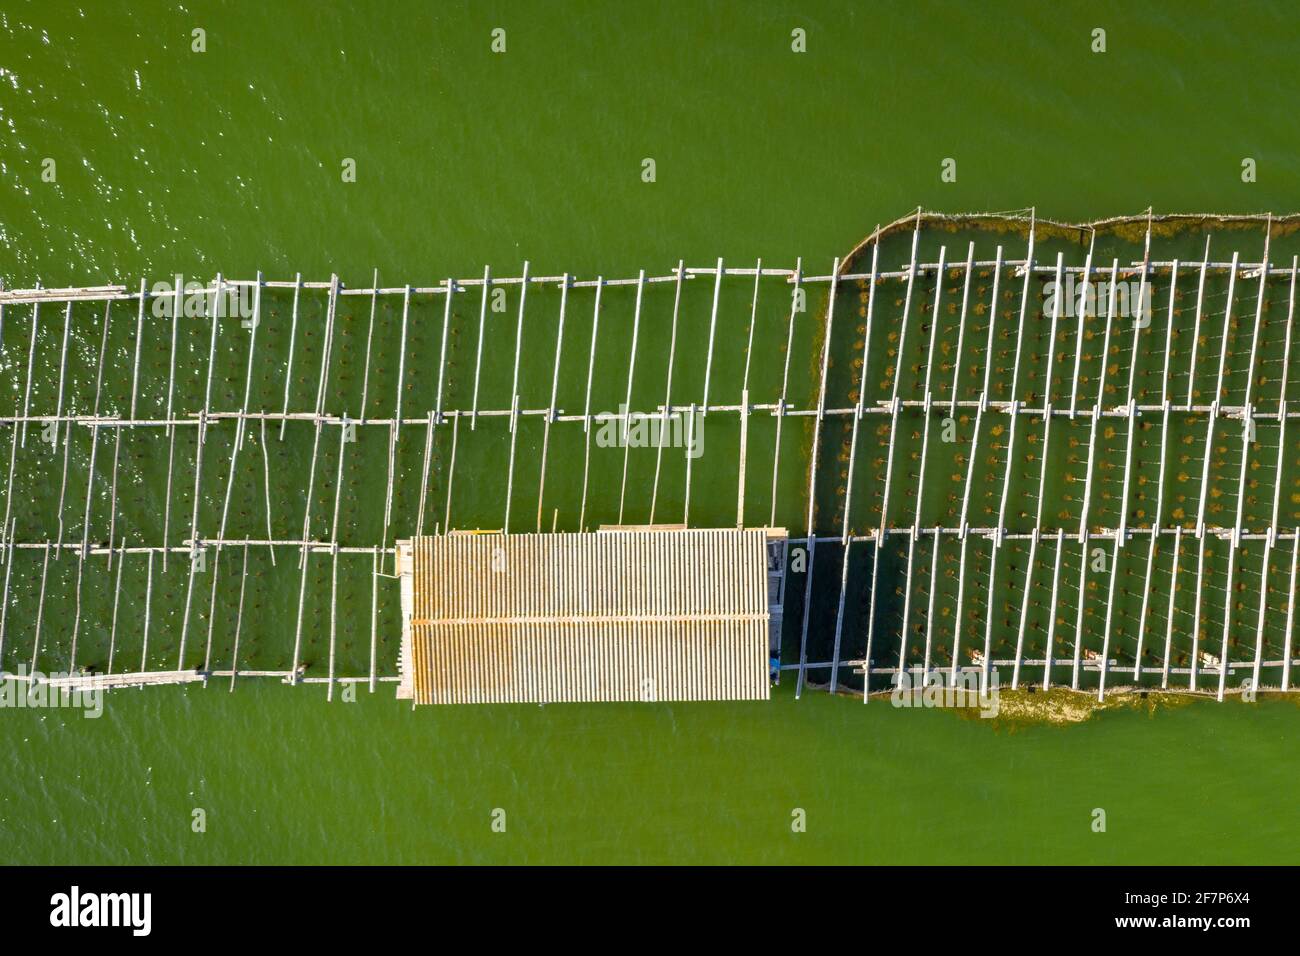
{"points": [[626, 615]]}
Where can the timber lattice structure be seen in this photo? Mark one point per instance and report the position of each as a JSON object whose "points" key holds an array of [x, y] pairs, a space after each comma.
{"points": [[1054, 450]]}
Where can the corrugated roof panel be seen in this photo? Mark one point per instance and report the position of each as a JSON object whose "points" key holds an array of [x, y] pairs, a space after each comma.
{"points": [[611, 616]]}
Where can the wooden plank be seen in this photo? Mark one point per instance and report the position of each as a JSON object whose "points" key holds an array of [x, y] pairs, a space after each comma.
{"points": [[288, 366], [889, 456], [1173, 594], [555, 389], [478, 354], [668, 385], [713, 327], [857, 411], [795, 301], [239, 621], [370, 335], [1083, 316], [626, 410], [195, 547], [812, 482]]}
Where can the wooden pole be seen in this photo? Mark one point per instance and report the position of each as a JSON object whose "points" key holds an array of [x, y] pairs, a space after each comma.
{"points": [[1000, 530], [76, 617], [1268, 553], [591, 361], [964, 528], [998, 533], [1047, 432], [957, 618], [1078, 619], [239, 620], [1110, 611], [1173, 593], [1290, 610], [424, 472], [334, 621], [195, 547], [1096, 409], [370, 334], [112, 498], [993, 321], [961, 326], [451, 470], [1121, 532], [1024, 607], [148, 603], [807, 609], [167, 496], [293, 335], [550, 413], [177, 308], [925, 448], [1247, 436], [690, 443], [442, 355], [1196, 325], [31, 367], [510, 471], [1160, 485], [1051, 626], [117, 594], [713, 326], [139, 339], [323, 378], [795, 303], [753, 321], [63, 359], [858, 409], [519, 336], [395, 427], [889, 454], [478, 357], [744, 446], [266, 481], [9, 569], [1083, 315], [63, 484], [627, 403], [839, 615], [171, 430], [13, 461], [235, 447], [812, 477], [374, 618], [40, 607], [668, 387], [1202, 545], [929, 613], [1281, 451], [1205, 480]]}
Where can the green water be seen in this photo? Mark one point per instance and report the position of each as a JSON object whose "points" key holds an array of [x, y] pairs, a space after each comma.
{"points": [[170, 161]]}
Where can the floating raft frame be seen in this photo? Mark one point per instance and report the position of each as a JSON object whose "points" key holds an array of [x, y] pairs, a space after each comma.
{"points": [[999, 481]]}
